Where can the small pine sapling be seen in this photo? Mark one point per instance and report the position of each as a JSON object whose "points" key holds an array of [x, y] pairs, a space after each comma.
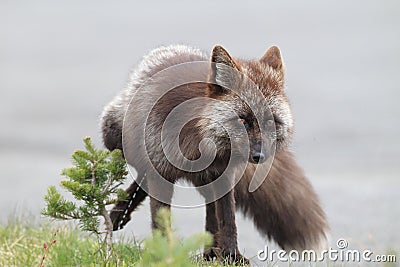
{"points": [[94, 181]]}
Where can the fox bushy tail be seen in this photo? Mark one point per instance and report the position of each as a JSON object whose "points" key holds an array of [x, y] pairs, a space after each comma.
{"points": [[121, 212]]}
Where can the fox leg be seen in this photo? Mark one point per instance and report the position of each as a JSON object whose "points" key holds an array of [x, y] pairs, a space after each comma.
{"points": [[211, 218], [212, 228], [211, 222], [156, 192], [226, 237], [211, 215], [220, 222]]}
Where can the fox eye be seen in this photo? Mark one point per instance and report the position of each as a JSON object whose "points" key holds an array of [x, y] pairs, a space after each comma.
{"points": [[243, 121], [277, 120]]}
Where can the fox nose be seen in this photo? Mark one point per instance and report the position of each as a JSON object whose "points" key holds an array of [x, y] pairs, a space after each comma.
{"points": [[258, 157]]}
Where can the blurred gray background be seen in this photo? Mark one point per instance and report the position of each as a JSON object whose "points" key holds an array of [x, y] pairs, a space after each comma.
{"points": [[62, 61]]}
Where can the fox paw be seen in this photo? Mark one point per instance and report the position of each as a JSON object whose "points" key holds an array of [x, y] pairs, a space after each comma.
{"points": [[213, 254], [235, 258]]}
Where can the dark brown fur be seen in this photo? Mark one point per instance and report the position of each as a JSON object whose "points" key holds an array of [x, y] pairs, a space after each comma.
{"points": [[284, 208]]}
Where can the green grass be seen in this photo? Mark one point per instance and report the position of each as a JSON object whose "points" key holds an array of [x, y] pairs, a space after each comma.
{"points": [[22, 244]]}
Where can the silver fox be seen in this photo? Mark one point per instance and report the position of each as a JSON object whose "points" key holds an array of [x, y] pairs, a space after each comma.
{"points": [[284, 208]]}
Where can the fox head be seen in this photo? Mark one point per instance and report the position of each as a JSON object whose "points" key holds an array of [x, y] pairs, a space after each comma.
{"points": [[254, 91]]}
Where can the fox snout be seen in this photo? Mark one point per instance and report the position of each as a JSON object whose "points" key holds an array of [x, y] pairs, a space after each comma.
{"points": [[257, 154], [257, 157]]}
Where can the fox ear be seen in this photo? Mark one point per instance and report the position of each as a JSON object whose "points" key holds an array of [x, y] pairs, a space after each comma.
{"points": [[220, 55], [223, 69], [273, 57]]}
